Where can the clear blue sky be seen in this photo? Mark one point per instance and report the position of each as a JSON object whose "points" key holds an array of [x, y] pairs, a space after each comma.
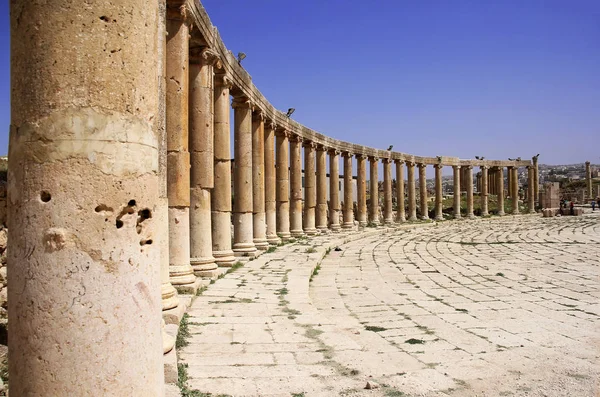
{"points": [[459, 78]]}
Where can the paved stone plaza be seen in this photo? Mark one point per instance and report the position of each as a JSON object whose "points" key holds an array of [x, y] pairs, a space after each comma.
{"points": [[499, 307]]}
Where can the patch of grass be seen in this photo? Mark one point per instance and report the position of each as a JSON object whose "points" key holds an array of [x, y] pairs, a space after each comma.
{"points": [[461, 310], [282, 291], [271, 249], [182, 383], [298, 394], [184, 332], [311, 250], [500, 274], [292, 312], [235, 267], [315, 272], [374, 328], [313, 333], [202, 289], [413, 341], [327, 251]]}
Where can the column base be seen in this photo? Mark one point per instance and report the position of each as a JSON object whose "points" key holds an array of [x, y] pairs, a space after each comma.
{"points": [[401, 219], [457, 216], [273, 239], [485, 213], [362, 223], [284, 236], [347, 225], [515, 212], [501, 213], [424, 217], [323, 229], [532, 211], [245, 254], [261, 244], [204, 267], [388, 221], [297, 233], [311, 231], [190, 289], [169, 296], [412, 218], [335, 227], [224, 258], [246, 250], [181, 275], [471, 216], [438, 218]]}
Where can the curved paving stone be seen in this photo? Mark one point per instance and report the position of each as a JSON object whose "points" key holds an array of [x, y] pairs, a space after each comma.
{"points": [[505, 306]]}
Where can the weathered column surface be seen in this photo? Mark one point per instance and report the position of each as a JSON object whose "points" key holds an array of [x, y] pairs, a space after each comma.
{"points": [[201, 158], [374, 190], [361, 189], [588, 179], [509, 177], [439, 196], [243, 208], [531, 189], [270, 185], [322, 220], [401, 213], [536, 179], [283, 185], [483, 193], [178, 156], [500, 185], [334, 190], [259, 221], [221, 193], [423, 191], [296, 186], [310, 189], [469, 186], [515, 189], [412, 196], [456, 171], [388, 215], [348, 210], [85, 275]]}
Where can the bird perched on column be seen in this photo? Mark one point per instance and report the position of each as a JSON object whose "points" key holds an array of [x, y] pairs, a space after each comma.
{"points": [[390, 148]]}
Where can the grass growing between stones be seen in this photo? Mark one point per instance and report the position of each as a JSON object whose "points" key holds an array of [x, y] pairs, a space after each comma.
{"points": [[374, 328], [315, 272], [271, 249], [184, 332], [311, 250], [182, 383], [413, 341]]}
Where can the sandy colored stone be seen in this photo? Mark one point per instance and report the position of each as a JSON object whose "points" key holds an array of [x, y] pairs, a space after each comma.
{"points": [[310, 189], [348, 209], [282, 187], [361, 186], [321, 210], [296, 187], [334, 190], [374, 190]]}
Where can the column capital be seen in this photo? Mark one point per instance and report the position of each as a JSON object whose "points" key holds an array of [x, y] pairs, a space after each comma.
{"points": [[386, 160], [373, 158], [271, 124], [177, 11], [205, 56], [456, 167], [223, 79], [438, 166], [282, 132], [296, 138], [258, 115], [347, 154], [410, 163], [468, 166], [242, 102], [310, 144], [421, 165], [334, 152], [484, 167], [361, 156], [398, 161]]}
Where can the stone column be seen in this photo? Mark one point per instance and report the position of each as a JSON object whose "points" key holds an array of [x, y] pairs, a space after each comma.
{"points": [[388, 215], [483, 193], [401, 213], [259, 221], [201, 138], [361, 189], [531, 189], [321, 189], [515, 189], [412, 196], [334, 190], [374, 191], [491, 181], [296, 186], [85, 274], [423, 191], [310, 189], [221, 194], [178, 156], [243, 207], [348, 210], [536, 180], [509, 176], [282, 195], [439, 194], [469, 185], [588, 179], [270, 185], [500, 185], [456, 169]]}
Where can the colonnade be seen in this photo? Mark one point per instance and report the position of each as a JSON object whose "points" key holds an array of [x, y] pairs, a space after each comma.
{"points": [[130, 182]]}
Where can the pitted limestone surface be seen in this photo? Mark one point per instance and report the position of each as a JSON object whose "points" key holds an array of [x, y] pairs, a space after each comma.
{"points": [[503, 307]]}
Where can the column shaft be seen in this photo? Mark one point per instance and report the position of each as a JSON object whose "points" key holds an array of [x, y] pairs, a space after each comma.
{"points": [[588, 179], [283, 185], [310, 189], [483, 193], [536, 180], [374, 191], [388, 215], [510, 184], [469, 175], [361, 190], [515, 190], [531, 189], [439, 196], [243, 208], [348, 210], [321, 215], [296, 187], [84, 297], [270, 185], [259, 221], [412, 196], [201, 138], [423, 191], [221, 193], [334, 190], [456, 173], [401, 213], [500, 185]]}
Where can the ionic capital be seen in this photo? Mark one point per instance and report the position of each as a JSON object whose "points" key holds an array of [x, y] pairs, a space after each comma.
{"points": [[373, 159], [386, 160], [360, 156], [296, 138], [281, 132], [398, 161], [347, 154], [456, 167], [410, 164], [468, 167], [421, 165], [333, 152], [271, 124], [223, 80], [205, 56], [310, 145], [242, 102], [483, 167], [258, 115], [438, 166]]}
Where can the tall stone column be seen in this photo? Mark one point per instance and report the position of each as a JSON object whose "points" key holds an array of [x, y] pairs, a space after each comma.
{"points": [[270, 185], [221, 193], [483, 193], [456, 169], [491, 182], [531, 189], [348, 210], [85, 274], [310, 189], [178, 156], [401, 213], [243, 207], [296, 186], [423, 191], [282, 195], [361, 189], [500, 185], [334, 190], [201, 138], [259, 221], [321, 189], [536, 179], [509, 176], [388, 215], [374, 190], [588, 179], [439, 194], [515, 189], [412, 196], [469, 175]]}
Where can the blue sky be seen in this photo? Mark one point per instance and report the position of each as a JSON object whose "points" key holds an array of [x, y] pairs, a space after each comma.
{"points": [[459, 78]]}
